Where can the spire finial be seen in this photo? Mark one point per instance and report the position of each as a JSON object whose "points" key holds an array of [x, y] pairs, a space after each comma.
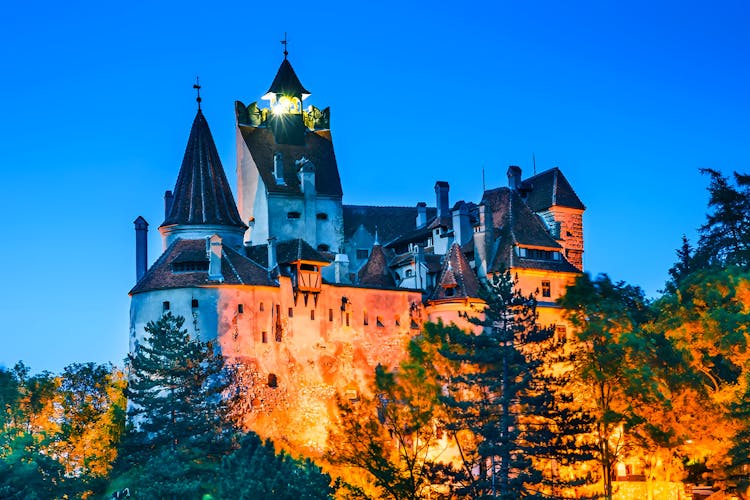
{"points": [[197, 87], [285, 43]]}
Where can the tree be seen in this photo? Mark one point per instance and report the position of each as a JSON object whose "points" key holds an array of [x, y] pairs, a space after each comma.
{"points": [[725, 236], [254, 471], [608, 318], [177, 412], [500, 404]]}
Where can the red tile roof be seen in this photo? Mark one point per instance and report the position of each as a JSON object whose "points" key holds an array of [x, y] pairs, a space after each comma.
{"points": [[456, 275]]}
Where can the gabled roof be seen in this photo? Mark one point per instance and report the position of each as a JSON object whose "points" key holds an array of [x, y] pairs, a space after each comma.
{"points": [[505, 257], [286, 81], [375, 272], [287, 251], [550, 188], [457, 276], [390, 222], [202, 194], [235, 268], [317, 147]]}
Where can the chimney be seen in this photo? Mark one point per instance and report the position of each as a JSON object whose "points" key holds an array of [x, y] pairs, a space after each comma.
{"points": [[168, 200], [341, 268], [514, 177], [213, 251], [462, 232], [272, 254], [141, 247], [441, 195], [421, 214], [482, 242]]}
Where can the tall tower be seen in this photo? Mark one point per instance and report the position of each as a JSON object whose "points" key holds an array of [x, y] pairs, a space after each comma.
{"points": [[287, 178]]}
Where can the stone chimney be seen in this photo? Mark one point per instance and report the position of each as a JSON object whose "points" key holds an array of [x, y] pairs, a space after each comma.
{"points": [[213, 251], [168, 199], [514, 177], [341, 268], [483, 241], [141, 247], [272, 263], [462, 232], [441, 198], [421, 214]]}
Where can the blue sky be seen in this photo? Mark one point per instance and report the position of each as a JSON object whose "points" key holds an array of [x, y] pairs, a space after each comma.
{"points": [[629, 99]]}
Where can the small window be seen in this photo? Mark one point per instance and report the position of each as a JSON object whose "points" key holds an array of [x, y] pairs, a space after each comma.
{"points": [[260, 307], [546, 290], [264, 337], [330, 315], [560, 333], [323, 247], [413, 325], [450, 291], [312, 314], [165, 306], [278, 167], [379, 322], [364, 319], [362, 254], [322, 216], [290, 313], [397, 320], [194, 304], [240, 308], [293, 215], [409, 273], [272, 380], [347, 319]]}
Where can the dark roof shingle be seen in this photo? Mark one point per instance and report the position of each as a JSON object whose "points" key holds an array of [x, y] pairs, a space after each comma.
{"points": [[375, 272], [457, 276], [551, 188]]}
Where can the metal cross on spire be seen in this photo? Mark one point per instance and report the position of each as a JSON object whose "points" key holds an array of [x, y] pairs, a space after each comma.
{"points": [[197, 87], [285, 43]]}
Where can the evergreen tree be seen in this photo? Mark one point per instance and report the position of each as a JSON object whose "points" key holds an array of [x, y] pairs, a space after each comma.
{"points": [[499, 407], [255, 472], [177, 412]]}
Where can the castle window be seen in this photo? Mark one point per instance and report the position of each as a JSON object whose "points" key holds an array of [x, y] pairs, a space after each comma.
{"points": [[546, 289], [397, 320], [364, 319], [194, 304], [409, 273], [323, 247], [240, 308], [322, 216], [165, 306], [362, 253], [264, 337], [293, 215], [186, 267], [330, 315], [413, 325], [290, 312], [450, 291], [379, 322], [272, 380], [260, 307], [312, 314], [560, 333], [347, 319]]}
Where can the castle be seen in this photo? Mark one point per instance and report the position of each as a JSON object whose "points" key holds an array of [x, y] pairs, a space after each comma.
{"points": [[311, 294]]}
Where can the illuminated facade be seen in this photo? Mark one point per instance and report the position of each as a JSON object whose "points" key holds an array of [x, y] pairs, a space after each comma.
{"points": [[311, 294]]}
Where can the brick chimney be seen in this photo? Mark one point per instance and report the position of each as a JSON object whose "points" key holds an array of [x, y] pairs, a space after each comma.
{"points": [[462, 232], [141, 247]]}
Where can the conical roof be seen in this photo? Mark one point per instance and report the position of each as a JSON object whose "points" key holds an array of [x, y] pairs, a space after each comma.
{"points": [[375, 272], [456, 276], [286, 82], [202, 194]]}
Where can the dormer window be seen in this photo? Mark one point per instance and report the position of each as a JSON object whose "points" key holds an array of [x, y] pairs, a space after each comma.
{"points": [[322, 216], [323, 247], [293, 215]]}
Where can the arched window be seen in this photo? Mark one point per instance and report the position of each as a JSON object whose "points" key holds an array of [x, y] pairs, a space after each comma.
{"points": [[272, 380]]}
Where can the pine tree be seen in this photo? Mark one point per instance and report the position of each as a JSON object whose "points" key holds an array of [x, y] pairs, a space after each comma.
{"points": [[177, 412]]}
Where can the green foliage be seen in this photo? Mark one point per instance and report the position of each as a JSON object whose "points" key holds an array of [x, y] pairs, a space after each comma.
{"points": [[255, 472], [177, 412]]}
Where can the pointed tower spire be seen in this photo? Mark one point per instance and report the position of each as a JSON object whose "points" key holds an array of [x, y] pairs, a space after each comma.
{"points": [[203, 204]]}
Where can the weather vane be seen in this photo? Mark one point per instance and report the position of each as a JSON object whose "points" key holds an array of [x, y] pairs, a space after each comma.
{"points": [[285, 43], [197, 87]]}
